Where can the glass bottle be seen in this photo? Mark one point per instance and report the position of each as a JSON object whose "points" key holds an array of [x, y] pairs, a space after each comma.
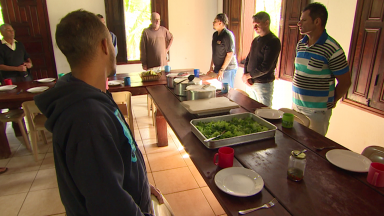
{"points": [[296, 166]]}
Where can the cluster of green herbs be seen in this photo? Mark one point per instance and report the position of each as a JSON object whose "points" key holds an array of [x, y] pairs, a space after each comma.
{"points": [[235, 127]]}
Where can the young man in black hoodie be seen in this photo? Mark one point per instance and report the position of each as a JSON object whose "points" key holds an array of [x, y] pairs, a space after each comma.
{"points": [[260, 64], [99, 168]]}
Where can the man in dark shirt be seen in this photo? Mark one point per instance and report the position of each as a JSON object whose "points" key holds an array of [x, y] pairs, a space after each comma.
{"points": [[114, 38], [260, 64], [223, 51], [100, 169], [14, 60]]}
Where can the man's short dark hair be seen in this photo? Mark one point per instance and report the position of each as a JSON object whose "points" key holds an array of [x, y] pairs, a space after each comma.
{"points": [[317, 10], [78, 35], [222, 17], [100, 16], [261, 16]]}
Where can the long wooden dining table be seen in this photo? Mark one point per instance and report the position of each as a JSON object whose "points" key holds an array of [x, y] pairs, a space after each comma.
{"points": [[325, 189], [14, 98]]}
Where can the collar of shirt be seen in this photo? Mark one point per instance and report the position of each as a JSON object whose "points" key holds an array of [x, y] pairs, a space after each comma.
{"points": [[12, 47], [321, 39]]}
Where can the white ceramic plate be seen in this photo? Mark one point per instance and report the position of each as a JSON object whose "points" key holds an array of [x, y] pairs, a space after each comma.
{"points": [[46, 80], [239, 181], [115, 82], [348, 160], [269, 113], [7, 87], [37, 89]]}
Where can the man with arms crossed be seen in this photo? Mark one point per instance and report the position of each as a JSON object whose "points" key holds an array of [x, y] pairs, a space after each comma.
{"points": [[260, 64], [155, 43], [223, 51], [99, 168], [319, 60]]}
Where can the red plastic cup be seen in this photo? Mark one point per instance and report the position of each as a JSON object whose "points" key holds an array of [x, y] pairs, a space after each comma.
{"points": [[7, 81], [376, 174], [225, 159]]}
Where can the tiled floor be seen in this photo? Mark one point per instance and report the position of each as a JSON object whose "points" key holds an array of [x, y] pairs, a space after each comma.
{"points": [[30, 188]]}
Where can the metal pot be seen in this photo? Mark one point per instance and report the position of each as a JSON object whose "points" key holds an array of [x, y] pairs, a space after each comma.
{"points": [[196, 92], [171, 77], [180, 85]]}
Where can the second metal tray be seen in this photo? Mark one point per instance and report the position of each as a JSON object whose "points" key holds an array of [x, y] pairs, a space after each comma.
{"points": [[234, 140]]}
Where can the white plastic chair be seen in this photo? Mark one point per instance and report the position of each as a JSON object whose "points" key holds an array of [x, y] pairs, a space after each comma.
{"points": [[123, 101], [35, 121], [161, 209], [151, 107], [299, 117], [17, 115], [374, 153]]}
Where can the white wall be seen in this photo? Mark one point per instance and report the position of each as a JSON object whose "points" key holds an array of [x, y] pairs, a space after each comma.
{"points": [[191, 28], [58, 9]]}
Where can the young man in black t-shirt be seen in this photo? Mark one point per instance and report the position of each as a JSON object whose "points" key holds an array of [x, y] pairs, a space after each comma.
{"points": [[14, 59], [260, 64], [223, 51]]}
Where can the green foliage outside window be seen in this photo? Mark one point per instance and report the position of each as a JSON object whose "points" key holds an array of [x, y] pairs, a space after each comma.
{"points": [[137, 18], [273, 8], [1, 17]]}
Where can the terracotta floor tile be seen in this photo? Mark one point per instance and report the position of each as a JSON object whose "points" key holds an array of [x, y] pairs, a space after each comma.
{"points": [[48, 162], [16, 183], [42, 202], [165, 160], [139, 142], [137, 135], [189, 161], [174, 180], [150, 179], [144, 122], [142, 150], [196, 174], [23, 164], [212, 201], [151, 147], [189, 203], [11, 204], [45, 179], [4, 162], [147, 166], [148, 133]]}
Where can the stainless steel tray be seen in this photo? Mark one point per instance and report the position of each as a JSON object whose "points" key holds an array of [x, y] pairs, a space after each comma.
{"points": [[234, 140]]}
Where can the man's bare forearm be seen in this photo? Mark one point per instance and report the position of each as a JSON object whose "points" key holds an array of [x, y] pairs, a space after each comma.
{"points": [[227, 59], [8, 68]]}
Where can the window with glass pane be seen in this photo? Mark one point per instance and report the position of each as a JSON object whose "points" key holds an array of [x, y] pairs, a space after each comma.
{"points": [[273, 8], [1, 16], [137, 18]]}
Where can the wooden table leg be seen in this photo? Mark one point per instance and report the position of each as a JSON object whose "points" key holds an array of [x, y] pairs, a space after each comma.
{"points": [[5, 150], [161, 129]]}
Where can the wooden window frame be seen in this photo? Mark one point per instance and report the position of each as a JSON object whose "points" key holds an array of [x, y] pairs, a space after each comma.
{"points": [[375, 77], [114, 11]]}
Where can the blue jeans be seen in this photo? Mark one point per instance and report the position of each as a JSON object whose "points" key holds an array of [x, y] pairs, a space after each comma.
{"points": [[229, 77], [262, 92]]}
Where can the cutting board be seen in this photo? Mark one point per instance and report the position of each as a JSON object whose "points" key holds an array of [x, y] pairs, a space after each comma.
{"points": [[209, 106]]}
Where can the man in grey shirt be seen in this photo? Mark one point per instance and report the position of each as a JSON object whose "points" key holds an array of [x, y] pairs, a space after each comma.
{"points": [[155, 43]]}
